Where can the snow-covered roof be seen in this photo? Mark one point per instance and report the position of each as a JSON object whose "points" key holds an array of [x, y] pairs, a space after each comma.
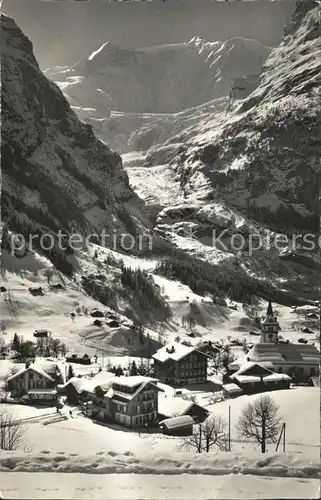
{"points": [[250, 365], [274, 377], [32, 367], [77, 382], [170, 406], [233, 388], [176, 422], [103, 379], [132, 380], [174, 351], [279, 353]]}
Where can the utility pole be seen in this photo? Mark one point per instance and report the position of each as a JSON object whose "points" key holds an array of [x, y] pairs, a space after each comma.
{"points": [[229, 428], [282, 433]]}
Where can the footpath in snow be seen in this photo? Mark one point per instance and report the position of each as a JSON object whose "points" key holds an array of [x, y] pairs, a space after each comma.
{"points": [[145, 487]]}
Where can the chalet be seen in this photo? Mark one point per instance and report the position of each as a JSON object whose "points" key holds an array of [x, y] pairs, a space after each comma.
{"points": [[178, 426], [130, 401], [178, 364], [75, 390], [78, 358], [41, 334], [299, 361], [35, 384], [36, 291], [112, 323], [81, 389], [95, 313], [169, 406], [253, 378]]}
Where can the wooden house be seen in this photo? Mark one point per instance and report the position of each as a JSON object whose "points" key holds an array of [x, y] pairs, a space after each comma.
{"points": [[254, 378], [82, 359], [177, 364], [130, 401], [35, 385], [169, 406]]}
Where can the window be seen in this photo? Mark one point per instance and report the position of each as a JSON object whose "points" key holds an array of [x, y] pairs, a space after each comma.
{"points": [[312, 372], [280, 369]]}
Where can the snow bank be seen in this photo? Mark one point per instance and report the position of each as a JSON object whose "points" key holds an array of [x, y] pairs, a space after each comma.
{"points": [[276, 465]]}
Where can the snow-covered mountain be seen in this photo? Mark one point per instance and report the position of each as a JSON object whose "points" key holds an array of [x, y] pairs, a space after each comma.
{"points": [[135, 98], [165, 79], [258, 162], [264, 154], [56, 174]]}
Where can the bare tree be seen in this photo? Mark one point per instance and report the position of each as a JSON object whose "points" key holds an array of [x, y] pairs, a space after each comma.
{"points": [[259, 421], [12, 431], [215, 433], [209, 434], [194, 441], [55, 347]]}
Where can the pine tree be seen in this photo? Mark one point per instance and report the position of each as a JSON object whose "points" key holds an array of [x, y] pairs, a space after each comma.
{"points": [[119, 371], [16, 343], [133, 369], [71, 372]]}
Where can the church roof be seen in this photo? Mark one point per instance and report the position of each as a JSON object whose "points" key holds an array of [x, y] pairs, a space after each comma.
{"points": [[269, 311], [270, 317], [276, 353]]}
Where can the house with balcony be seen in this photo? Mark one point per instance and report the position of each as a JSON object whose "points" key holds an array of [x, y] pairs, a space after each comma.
{"points": [[35, 383], [178, 364], [129, 401]]}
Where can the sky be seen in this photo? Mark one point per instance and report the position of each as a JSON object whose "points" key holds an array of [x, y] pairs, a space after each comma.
{"points": [[64, 32]]}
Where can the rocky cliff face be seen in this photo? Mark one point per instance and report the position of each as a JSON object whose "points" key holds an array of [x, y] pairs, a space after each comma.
{"points": [[263, 157], [56, 174], [257, 162]]}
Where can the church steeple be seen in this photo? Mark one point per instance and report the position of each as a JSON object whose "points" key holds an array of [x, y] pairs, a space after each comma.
{"points": [[269, 311], [269, 327]]}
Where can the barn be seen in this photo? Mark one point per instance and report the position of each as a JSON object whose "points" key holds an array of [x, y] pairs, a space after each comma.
{"points": [[178, 426]]}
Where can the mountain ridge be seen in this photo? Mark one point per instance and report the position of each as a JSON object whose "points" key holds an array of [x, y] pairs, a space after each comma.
{"points": [[52, 163]]}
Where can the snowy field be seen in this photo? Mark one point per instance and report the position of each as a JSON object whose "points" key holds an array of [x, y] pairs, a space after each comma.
{"points": [[133, 486]]}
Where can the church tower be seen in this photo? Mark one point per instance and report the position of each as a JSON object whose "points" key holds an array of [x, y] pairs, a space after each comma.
{"points": [[269, 327]]}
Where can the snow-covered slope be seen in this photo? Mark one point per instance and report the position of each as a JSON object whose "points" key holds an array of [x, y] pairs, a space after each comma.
{"points": [[53, 164]]}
